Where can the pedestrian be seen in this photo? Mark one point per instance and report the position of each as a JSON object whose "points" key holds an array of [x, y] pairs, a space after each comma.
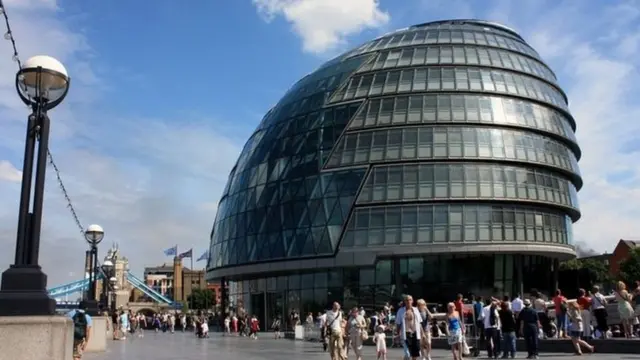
{"points": [[529, 327], [81, 329], [577, 328], [380, 339]]}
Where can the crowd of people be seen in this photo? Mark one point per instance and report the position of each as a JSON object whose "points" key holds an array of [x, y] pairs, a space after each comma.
{"points": [[491, 323], [242, 324]]}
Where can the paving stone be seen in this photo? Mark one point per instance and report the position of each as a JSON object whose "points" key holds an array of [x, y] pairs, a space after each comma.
{"points": [[185, 346]]}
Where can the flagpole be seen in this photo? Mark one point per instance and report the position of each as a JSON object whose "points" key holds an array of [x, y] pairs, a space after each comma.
{"points": [[191, 257]]}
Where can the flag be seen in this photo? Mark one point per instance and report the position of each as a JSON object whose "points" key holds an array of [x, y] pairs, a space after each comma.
{"points": [[186, 254], [172, 251], [204, 256]]}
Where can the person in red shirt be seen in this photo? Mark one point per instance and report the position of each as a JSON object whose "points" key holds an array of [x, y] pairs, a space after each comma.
{"points": [[460, 308], [560, 304], [584, 301], [255, 327]]}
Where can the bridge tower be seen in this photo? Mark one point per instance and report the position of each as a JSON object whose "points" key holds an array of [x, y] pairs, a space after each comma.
{"points": [[121, 266], [177, 279]]}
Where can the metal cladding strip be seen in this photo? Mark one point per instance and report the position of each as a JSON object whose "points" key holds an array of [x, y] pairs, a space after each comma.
{"points": [[139, 284]]}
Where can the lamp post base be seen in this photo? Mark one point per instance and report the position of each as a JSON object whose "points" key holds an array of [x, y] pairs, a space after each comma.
{"points": [[24, 292], [91, 307]]}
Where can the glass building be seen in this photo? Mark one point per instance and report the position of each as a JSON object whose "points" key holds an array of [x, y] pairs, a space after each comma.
{"points": [[435, 160]]}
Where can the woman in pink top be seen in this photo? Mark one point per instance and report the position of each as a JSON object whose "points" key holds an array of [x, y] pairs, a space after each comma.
{"points": [[560, 304]]}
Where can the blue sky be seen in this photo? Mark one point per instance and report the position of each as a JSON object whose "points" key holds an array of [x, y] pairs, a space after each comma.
{"points": [[163, 97]]}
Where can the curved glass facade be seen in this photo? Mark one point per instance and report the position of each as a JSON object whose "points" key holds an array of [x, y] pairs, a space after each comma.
{"points": [[448, 141]]}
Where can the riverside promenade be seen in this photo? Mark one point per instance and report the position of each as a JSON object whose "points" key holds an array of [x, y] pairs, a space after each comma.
{"points": [[185, 346]]}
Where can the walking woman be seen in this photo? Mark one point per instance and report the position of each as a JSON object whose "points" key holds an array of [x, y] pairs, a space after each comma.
{"points": [[577, 328], [408, 320], [357, 329], [455, 331], [623, 298], [425, 341]]}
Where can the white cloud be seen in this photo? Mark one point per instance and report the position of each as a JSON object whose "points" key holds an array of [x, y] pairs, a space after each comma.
{"points": [[8, 172], [325, 25], [593, 49], [149, 182]]}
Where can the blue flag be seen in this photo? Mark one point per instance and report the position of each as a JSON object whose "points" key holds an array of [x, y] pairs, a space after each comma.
{"points": [[172, 251], [204, 256]]}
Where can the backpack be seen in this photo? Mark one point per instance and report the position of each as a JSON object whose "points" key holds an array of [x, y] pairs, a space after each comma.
{"points": [[563, 307], [492, 315], [79, 326]]}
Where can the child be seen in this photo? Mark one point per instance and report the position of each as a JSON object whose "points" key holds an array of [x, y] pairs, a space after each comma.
{"points": [[254, 327], [205, 329], [380, 339]]}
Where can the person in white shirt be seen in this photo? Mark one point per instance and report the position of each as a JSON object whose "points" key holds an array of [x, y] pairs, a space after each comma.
{"points": [[516, 307], [227, 327], [408, 319], [599, 311], [491, 321], [324, 336], [205, 329], [380, 339], [334, 330]]}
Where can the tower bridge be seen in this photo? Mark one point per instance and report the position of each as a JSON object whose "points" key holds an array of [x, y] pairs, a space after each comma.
{"points": [[130, 291]]}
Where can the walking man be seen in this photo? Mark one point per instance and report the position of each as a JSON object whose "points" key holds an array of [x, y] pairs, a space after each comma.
{"points": [[529, 325], [81, 329]]}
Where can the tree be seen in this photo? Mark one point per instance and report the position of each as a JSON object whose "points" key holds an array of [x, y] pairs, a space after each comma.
{"points": [[630, 267], [201, 299], [583, 273]]}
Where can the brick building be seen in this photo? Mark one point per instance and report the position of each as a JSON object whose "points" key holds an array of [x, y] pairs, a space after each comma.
{"points": [[621, 253]]}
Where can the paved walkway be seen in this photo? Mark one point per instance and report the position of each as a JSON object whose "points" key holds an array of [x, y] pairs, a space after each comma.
{"points": [[165, 346]]}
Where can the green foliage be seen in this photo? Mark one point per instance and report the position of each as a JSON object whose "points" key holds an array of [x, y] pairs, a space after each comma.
{"points": [[185, 308], [597, 270], [588, 272], [630, 268], [573, 264], [201, 299]]}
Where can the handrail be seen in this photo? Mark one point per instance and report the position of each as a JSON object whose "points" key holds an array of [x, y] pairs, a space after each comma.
{"points": [[147, 290], [70, 288], [156, 293], [549, 304]]}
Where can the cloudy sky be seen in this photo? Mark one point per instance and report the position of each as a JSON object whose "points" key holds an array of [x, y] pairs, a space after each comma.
{"points": [[164, 96]]}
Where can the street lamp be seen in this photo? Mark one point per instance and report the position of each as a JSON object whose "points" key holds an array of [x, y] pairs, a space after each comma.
{"points": [[107, 271], [114, 288], [94, 235], [42, 83]]}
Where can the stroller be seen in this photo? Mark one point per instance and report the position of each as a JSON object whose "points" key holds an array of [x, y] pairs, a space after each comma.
{"points": [[471, 346]]}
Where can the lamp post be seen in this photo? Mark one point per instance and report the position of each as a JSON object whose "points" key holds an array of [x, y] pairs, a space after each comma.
{"points": [[42, 83], [114, 288], [107, 271], [94, 235]]}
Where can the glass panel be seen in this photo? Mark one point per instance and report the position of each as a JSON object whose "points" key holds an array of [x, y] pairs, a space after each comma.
{"points": [[425, 223], [489, 80], [453, 142], [465, 108]]}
